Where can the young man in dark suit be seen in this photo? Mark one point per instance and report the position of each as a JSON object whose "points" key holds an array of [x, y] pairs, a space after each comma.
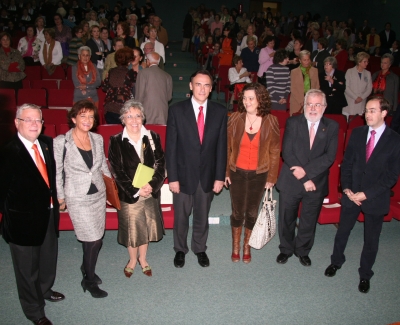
{"points": [[370, 168], [28, 202], [309, 149], [196, 161]]}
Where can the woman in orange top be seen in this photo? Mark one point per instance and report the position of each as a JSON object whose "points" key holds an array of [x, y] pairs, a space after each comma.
{"points": [[252, 161], [228, 47]]}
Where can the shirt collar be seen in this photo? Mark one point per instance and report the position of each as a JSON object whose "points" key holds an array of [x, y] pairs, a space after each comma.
{"points": [[196, 105], [143, 132], [379, 130]]}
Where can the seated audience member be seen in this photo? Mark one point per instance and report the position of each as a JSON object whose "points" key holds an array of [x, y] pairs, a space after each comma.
{"points": [[118, 43], [39, 23], [250, 55], [312, 43], [250, 33], [29, 46], [217, 36], [216, 24], [119, 85], [294, 55], [303, 78], [394, 50], [333, 83], [93, 19], [239, 39], [98, 48], [198, 40], [372, 41], [62, 34], [123, 31], [104, 37], [50, 54], [349, 37], [385, 83], [294, 35], [318, 56], [158, 46], [86, 77], [74, 45], [85, 32], [278, 81], [145, 34], [352, 55], [331, 45], [341, 55], [12, 64], [360, 43], [238, 75]]}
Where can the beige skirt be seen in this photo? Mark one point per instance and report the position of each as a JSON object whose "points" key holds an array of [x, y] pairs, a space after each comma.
{"points": [[140, 223]]}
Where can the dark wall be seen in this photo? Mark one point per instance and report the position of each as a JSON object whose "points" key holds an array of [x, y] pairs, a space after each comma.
{"points": [[173, 11]]}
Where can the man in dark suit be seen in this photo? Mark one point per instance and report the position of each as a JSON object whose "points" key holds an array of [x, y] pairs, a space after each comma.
{"points": [[196, 161], [370, 168], [318, 56], [309, 149], [387, 36], [28, 202]]}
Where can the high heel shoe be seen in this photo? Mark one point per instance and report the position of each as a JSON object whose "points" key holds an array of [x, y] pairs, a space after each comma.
{"points": [[146, 270], [128, 271], [93, 288], [96, 277]]}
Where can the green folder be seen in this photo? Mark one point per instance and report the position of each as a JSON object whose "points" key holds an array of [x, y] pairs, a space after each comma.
{"points": [[143, 175]]}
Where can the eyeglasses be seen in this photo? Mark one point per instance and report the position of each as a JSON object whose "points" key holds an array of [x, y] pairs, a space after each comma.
{"points": [[315, 105], [371, 111], [31, 121], [131, 117]]}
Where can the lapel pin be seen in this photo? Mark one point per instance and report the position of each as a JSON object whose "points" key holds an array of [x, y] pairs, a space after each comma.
{"points": [[47, 148], [323, 129]]}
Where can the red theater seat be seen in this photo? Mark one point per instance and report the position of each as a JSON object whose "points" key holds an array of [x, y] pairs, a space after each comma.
{"points": [[106, 131], [282, 117], [67, 84], [331, 214], [341, 119], [395, 201], [356, 121], [56, 117], [33, 96], [58, 73], [161, 130], [60, 97], [49, 130], [46, 84], [33, 72]]}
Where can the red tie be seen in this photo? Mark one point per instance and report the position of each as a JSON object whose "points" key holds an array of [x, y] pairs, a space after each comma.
{"points": [[312, 134], [200, 123], [370, 145], [41, 166]]}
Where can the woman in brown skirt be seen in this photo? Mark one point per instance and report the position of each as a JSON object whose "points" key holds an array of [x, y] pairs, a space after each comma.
{"points": [[140, 219], [252, 161]]}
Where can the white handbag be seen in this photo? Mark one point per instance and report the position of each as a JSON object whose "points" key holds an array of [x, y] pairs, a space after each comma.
{"points": [[265, 227]]}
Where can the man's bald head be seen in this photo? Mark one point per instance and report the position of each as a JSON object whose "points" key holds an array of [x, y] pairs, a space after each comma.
{"points": [[153, 58]]}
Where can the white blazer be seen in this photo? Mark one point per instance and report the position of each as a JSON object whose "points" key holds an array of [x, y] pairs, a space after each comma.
{"points": [[356, 87]]}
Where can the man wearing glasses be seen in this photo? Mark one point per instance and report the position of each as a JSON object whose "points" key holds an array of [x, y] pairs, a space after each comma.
{"points": [[196, 161], [309, 149], [370, 168], [28, 202]]}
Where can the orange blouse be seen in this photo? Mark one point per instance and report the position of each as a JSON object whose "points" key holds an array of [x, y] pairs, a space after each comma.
{"points": [[248, 152]]}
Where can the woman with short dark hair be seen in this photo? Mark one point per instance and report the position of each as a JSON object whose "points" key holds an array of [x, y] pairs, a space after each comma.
{"points": [[278, 81]]}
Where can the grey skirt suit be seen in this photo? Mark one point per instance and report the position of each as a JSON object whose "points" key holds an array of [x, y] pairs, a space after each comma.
{"points": [[140, 219], [87, 211]]}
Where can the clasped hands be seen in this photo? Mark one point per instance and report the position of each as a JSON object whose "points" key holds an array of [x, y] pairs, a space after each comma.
{"points": [[357, 198], [145, 190], [299, 173]]}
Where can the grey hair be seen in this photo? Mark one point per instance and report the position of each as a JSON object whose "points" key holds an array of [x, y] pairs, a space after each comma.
{"points": [[132, 103], [133, 15], [304, 53], [23, 107], [151, 58], [84, 48], [388, 56], [332, 61], [312, 93]]}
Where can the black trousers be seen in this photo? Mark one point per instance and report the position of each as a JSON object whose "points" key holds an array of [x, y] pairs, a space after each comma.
{"points": [[200, 203], [35, 272], [372, 230], [288, 212]]}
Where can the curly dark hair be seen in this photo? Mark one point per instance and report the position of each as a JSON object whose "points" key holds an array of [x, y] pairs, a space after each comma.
{"points": [[81, 106], [262, 95], [280, 56], [125, 27], [123, 56]]}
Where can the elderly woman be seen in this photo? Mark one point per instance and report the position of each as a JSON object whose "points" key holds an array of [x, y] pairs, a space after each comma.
{"points": [[62, 34], [303, 78], [140, 219], [278, 81], [29, 46], [81, 163], [119, 85], [123, 32], [158, 46], [358, 86], [252, 162], [12, 64], [98, 48], [385, 83], [86, 77], [266, 57], [238, 74], [333, 84], [50, 54]]}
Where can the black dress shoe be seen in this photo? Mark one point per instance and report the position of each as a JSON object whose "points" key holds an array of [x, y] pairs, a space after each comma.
{"points": [[283, 258], [55, 297], [179, 260], [363, 287], [43, 321], [304, 260], [203, 260], [331, 270]]}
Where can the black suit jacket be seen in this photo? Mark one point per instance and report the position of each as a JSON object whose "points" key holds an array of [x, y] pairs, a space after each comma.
{"points": [[377, 176], [385, 43], [24, 195], [94, 48], [334, 95], [189, 161], [316, 162], [320, 57]]}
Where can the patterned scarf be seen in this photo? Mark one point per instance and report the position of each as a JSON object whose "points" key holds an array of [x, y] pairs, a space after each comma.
{"points": [[306, 78], [379, 84], [82, 74]]}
